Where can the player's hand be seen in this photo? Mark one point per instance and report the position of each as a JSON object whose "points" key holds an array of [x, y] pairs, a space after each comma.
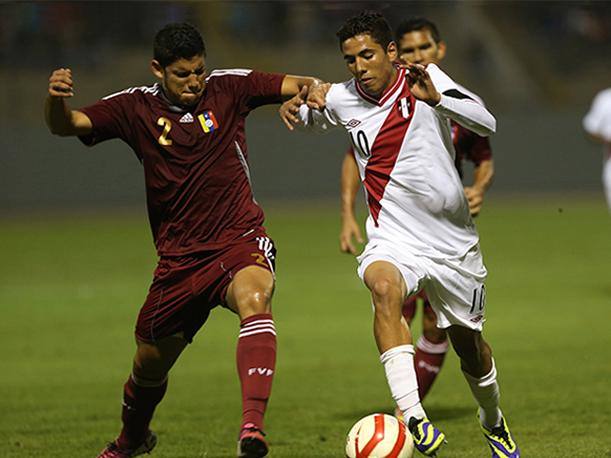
{"points": [[317, 95], [289, 110], [349, 232], [421, 85], [60, 83], [475, 197]]}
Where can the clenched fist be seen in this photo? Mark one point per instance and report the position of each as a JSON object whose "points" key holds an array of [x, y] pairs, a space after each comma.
{"points": [[60, 83]]}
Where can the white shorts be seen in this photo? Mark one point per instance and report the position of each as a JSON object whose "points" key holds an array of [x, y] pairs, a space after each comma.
{"points": [[455, 288]]}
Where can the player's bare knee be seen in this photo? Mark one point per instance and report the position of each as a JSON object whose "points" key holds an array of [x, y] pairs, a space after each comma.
{"points": [[149, 364], [434, 334], [153, 361], [385, 289], [254, 301]]}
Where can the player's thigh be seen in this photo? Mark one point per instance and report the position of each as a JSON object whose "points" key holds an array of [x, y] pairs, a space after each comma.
{"points": [[457, 292], [163, 313], [250, 264]]}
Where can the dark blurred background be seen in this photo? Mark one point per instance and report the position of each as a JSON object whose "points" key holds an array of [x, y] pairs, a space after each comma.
{"points": [[536, 64]]}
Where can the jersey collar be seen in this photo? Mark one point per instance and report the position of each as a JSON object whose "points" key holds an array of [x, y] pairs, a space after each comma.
{"points": [[388, 92]]}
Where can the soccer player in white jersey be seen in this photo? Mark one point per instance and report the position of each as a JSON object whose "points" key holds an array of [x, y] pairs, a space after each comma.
{"points": [[420, 232], [419, 41], [597, 123]]}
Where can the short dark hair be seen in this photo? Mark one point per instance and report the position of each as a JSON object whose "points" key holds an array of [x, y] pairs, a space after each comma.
{"points": [[366, 22], [416, 24], [177, 41]]}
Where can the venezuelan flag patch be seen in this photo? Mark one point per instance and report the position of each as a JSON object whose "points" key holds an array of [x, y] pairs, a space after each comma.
{"points": [[208, 121]]}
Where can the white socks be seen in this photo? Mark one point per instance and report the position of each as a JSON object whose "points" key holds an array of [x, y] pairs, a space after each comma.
{"points": [[486, 393], [401, 376]]}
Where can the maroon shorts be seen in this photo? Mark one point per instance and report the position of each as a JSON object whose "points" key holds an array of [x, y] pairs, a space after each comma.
{"points": [[186, 288]]}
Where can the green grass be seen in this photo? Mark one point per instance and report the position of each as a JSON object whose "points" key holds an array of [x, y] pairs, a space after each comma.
{"points": [[70, 288]]}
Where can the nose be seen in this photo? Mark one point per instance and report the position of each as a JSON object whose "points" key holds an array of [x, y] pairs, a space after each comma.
{"points": [[193, 82], [359, 67], [417, 59]]}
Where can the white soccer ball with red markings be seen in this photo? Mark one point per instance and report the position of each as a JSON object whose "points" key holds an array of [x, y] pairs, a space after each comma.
{"points": [[379, 436]]}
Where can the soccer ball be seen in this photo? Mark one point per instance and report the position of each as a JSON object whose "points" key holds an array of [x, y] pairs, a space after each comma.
{"points": [[379, 436]]}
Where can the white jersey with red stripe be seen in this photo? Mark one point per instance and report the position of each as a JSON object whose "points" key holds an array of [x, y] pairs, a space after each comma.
{"points": [[403, 148]]}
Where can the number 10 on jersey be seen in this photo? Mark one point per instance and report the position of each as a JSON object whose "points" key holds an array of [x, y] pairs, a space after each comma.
{"points": [[360, 144]]}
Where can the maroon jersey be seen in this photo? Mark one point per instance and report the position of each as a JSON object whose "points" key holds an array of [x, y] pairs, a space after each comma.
{"points": [[469, 146], [198, 188]]}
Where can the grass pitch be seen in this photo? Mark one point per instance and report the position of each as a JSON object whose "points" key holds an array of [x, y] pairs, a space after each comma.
{"points": [[70, 288]]}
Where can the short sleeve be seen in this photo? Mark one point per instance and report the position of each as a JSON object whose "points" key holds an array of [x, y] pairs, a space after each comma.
{"points": [[110, 118], [598, 120], [262, 89]]}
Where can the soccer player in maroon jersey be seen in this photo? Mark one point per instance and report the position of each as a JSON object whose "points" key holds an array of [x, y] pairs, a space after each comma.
{"points": [[188, 132], [419, 42]]}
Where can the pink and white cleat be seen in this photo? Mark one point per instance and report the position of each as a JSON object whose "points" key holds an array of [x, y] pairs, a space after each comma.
{"points": [[251, 443], [112, 450]]}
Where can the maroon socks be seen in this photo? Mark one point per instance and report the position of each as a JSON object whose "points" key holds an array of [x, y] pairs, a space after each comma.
{"points": [[428, 361], [139, 403], [256, 357]]}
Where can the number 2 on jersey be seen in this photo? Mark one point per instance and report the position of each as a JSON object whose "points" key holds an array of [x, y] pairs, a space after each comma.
{"points": [[167, 125]]}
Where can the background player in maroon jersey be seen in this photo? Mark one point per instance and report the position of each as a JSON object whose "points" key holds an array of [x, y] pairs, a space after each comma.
{"points": [[419, 42], [188, 132]]}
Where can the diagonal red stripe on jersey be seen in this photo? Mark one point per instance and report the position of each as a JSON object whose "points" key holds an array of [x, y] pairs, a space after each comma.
{"points": [[394, 453], [384, 153], [395, 86], [377, 437]]}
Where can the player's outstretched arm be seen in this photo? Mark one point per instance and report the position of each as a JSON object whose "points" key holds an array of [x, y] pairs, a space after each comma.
{"points": [[350, 182], [450, 103], [59, 118], [482, 179]]}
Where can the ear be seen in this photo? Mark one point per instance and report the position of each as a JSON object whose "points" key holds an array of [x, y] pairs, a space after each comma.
{"points": [[157, 69], [392, 51], [441, 50]]}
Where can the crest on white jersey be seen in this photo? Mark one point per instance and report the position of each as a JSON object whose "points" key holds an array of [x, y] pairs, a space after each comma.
{"points": [[404, 106], [188, 117]]}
